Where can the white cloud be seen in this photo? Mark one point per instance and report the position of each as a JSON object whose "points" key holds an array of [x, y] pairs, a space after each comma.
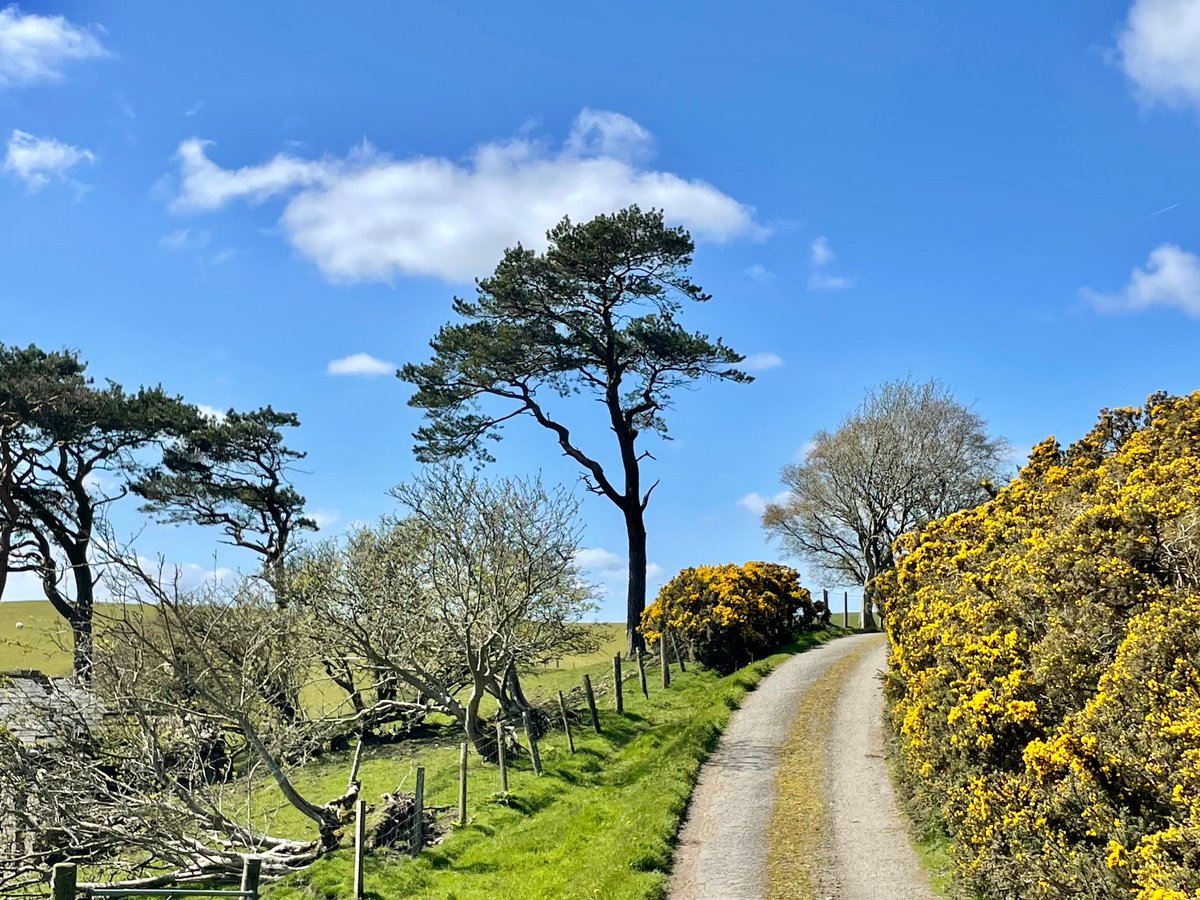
{"points": [[821, 281], [34, 48], [370, 217], [1171, 278], [821, 255], [610, 567], [805, 449], [35, 160], [599, 560], [191, 576], [1159, 50], [185, 239], [760, 273], [599, 133], [820, 252], [758, 362], [757, 503], [324, 517], [223, 256], [361, 364], [211, 412]]}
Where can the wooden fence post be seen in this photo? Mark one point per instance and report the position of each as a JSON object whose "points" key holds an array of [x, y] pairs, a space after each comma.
{"points": [[641, 661], [845, 609], [562, 705], [591, 701], [666, 665], [678, 655], [251, 875], [533, 747], [360, 845], [618, 684], [417, 836], [62, 881], [462, 783], [502, 757]]}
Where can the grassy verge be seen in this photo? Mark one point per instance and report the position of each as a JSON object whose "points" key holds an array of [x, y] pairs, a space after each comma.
{"points": [[599, 823], [798, 829], [928, 835]]}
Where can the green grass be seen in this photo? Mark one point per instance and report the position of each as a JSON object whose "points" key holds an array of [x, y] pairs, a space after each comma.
{"points": [[43, 643], [927, 834], [933, 849], [598, 823]]}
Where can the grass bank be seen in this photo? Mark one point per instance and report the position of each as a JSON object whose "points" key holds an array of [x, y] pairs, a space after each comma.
{"points": [[599, 823]]}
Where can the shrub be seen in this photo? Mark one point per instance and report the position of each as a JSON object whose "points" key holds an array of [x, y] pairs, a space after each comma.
{"points": [[1044, 679], [726, 616]]}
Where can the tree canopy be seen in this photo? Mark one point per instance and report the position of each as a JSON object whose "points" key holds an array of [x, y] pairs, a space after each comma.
{"points": [[71, 449], [232, 472], [908, 454], [596, 314]]}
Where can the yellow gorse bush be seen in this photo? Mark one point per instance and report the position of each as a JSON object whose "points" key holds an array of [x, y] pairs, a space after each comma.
{"points": [[1044, 679], [725, 616]]}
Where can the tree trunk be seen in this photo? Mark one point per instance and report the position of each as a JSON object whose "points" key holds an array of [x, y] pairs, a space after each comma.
{"points": [[80, 618], [81, 634], [868, 618], [635, 527]]}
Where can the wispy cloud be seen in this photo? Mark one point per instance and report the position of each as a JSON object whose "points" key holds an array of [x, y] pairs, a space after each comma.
{"points": [[368, 216], [599, 561], [821, 255], [361, 364], [805, 449], [760, 273], [1170, 278], [1165, 209], [757, 503], [760, 362], [185, 239], [611, 569], [37, 160], [325, 518], [822, 281], [35, 48]]}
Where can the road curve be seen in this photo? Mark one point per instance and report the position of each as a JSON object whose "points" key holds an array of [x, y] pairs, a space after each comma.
{"points": [[723, 845]]}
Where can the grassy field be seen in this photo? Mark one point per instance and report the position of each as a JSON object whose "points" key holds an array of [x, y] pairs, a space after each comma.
{"points": [[42, 642], [599, 823]]}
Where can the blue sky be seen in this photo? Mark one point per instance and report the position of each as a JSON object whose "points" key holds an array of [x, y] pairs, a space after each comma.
{"points": [[227, 198]]}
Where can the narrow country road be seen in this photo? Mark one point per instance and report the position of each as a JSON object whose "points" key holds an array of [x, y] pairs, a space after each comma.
{"points": [[723, 846]]}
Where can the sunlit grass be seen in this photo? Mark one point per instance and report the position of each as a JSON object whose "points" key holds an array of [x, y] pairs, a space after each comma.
{"points": [[599, 823]]}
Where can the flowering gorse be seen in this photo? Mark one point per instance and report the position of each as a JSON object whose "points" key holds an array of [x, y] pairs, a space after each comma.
{"points": [[1044, 680], [726, 616]]}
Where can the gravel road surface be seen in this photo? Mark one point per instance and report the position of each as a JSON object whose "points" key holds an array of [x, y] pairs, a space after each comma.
{"points": [[722, 852]]}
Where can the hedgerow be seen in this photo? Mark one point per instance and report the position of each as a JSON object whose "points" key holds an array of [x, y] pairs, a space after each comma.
{"points": [[1044, 679], [727, 616]]}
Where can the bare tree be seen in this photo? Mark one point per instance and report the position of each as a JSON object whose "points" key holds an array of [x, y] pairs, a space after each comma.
{"points": [[907, 455], [168, 771], [474, 582]]}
